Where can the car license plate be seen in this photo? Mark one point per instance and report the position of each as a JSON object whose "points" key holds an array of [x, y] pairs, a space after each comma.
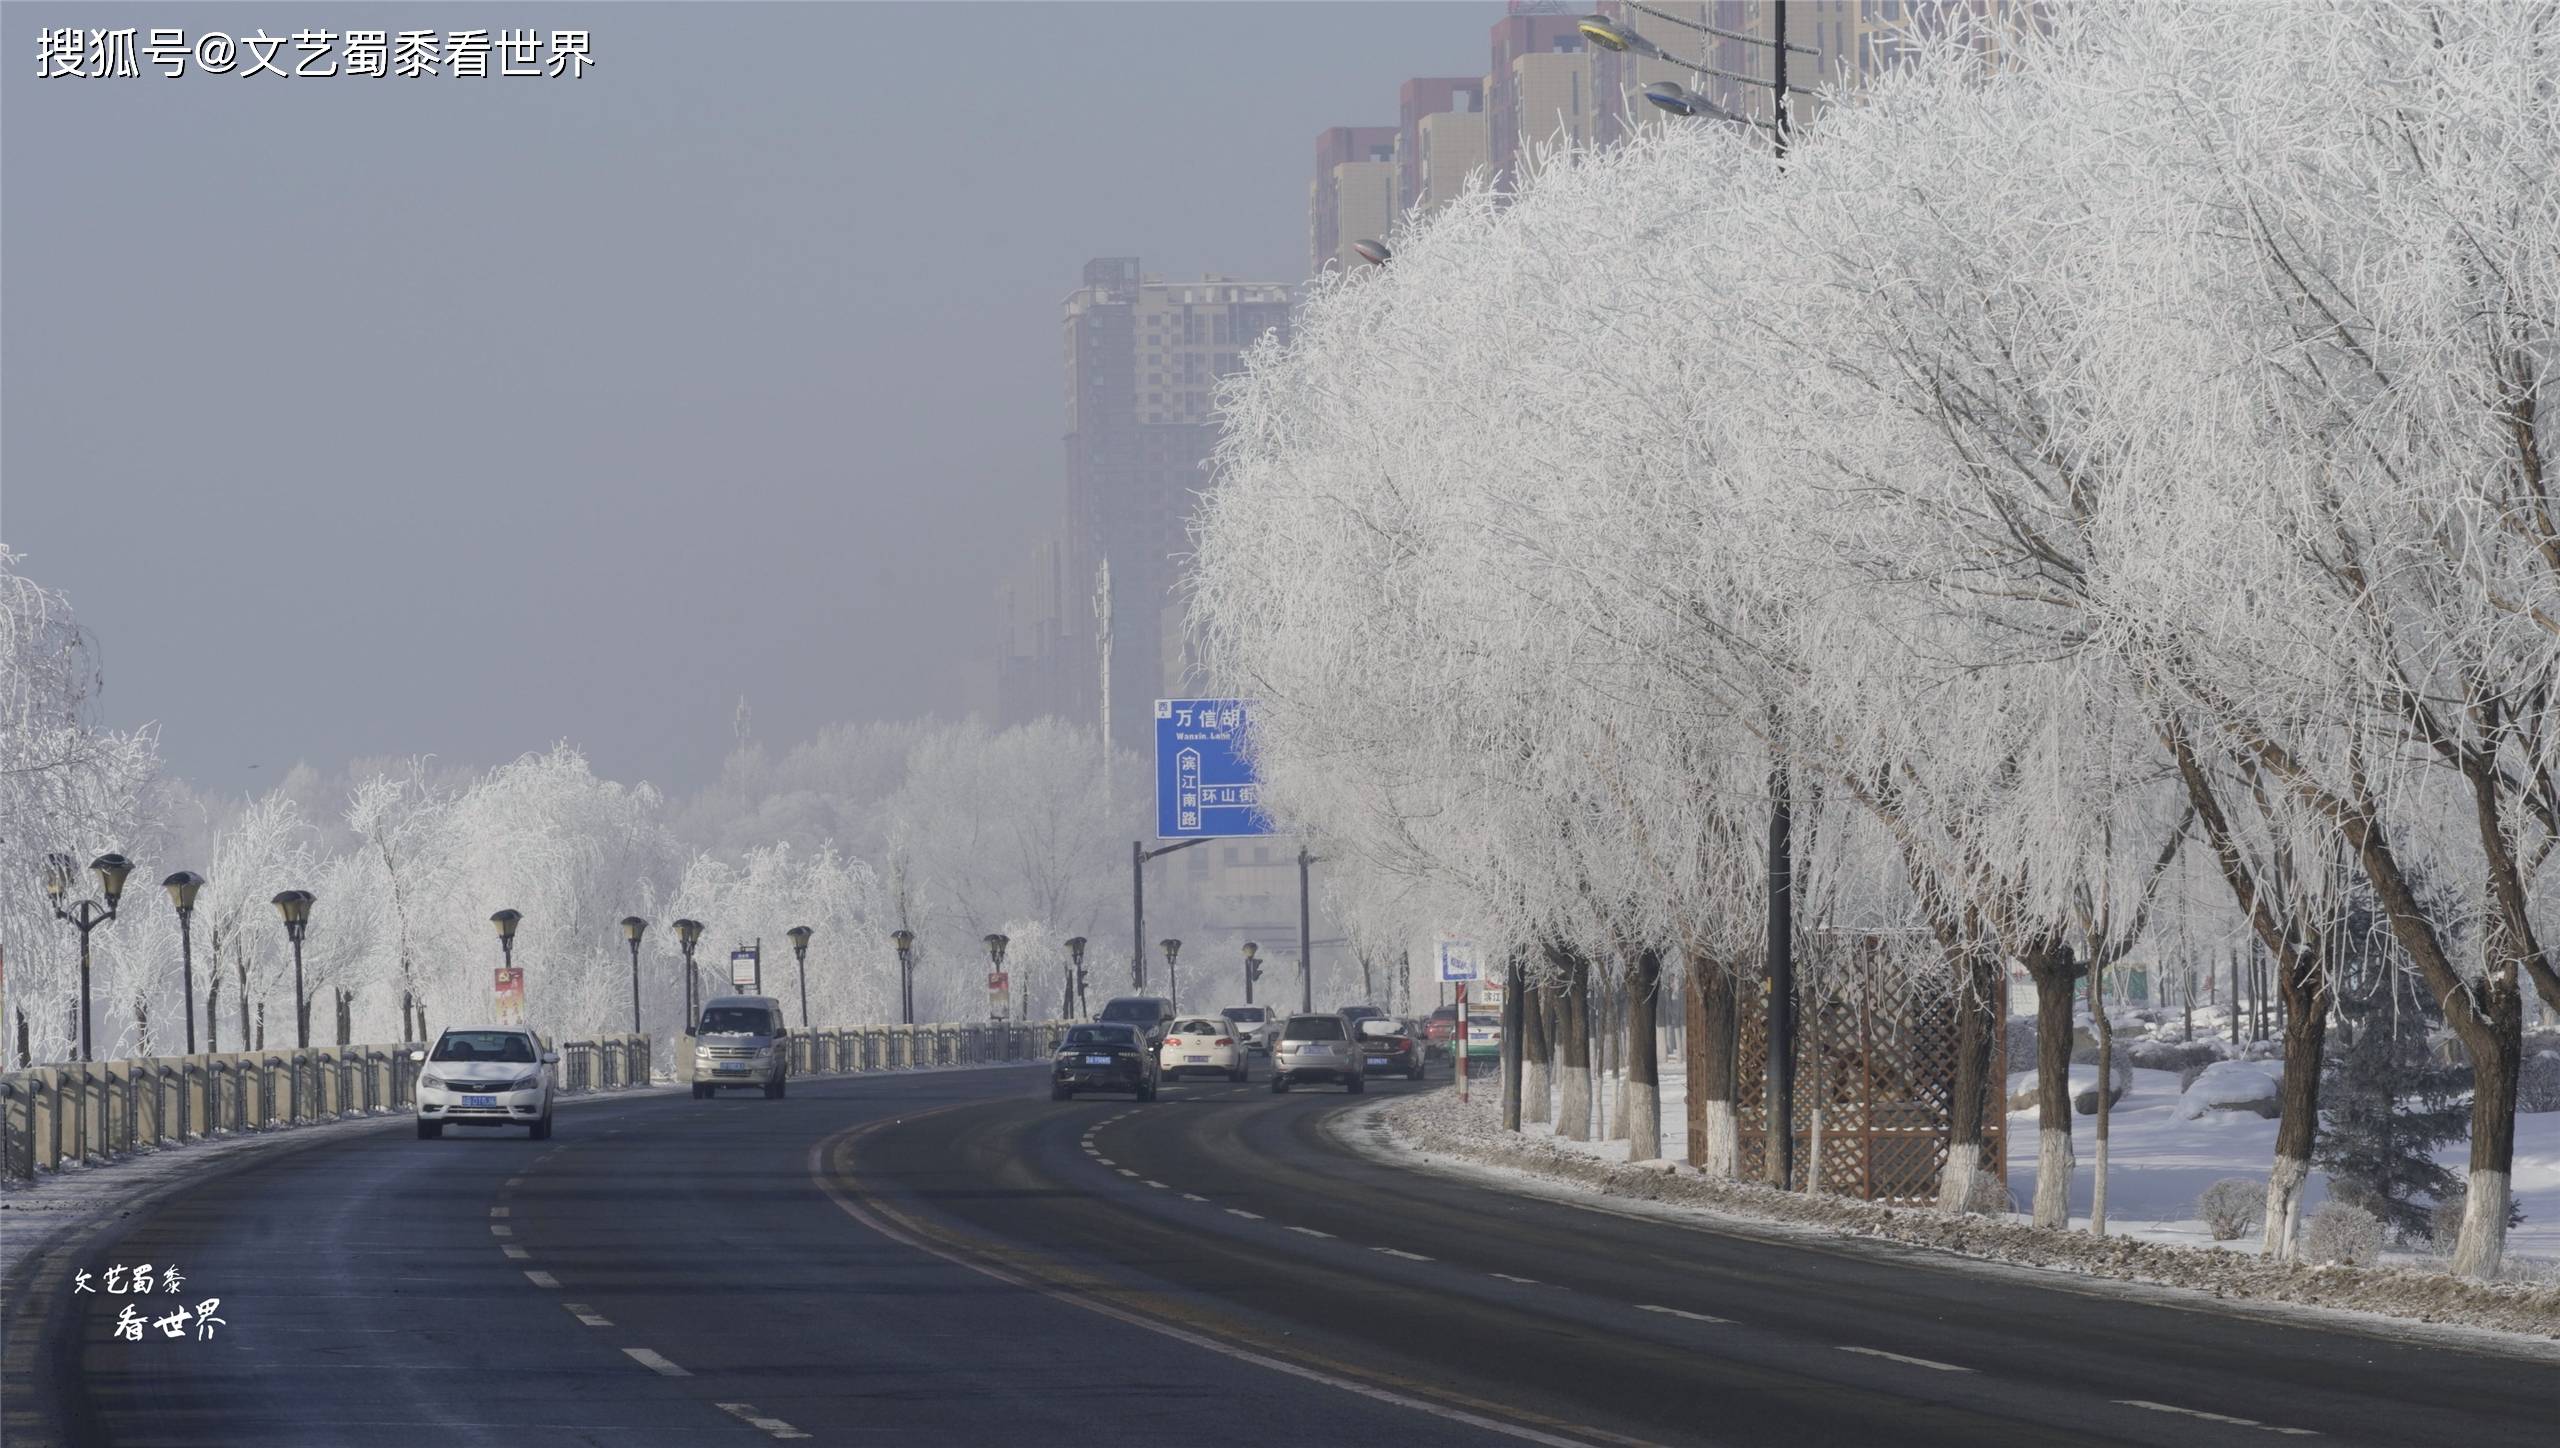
{"points": [[479, 1100], [1097, 1060], [733, 1066], [1195, 1060], [1377, 1060]]}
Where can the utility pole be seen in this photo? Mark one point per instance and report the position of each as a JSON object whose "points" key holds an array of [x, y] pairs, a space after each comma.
{"points": [[1306, 937], [1139, 854]]}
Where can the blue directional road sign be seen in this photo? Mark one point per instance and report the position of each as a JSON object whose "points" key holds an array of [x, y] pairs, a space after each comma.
{"points": [[1204, 787]]}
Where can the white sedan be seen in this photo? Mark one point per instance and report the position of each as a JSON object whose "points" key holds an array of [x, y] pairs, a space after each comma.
{"points": [[1201, 1045], [485, 1076]]}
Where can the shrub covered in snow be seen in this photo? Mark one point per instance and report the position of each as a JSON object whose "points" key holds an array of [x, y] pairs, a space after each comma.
{"points": [[2230, 1086], [2231, 1206], [2538, 1083], [2342, 1233]]}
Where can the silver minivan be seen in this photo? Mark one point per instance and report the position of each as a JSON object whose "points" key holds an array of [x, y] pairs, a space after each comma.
{"points": [[740, 1041]]}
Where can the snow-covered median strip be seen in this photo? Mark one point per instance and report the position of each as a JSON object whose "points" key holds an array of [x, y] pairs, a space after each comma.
{"points": [[1437, 1125]]}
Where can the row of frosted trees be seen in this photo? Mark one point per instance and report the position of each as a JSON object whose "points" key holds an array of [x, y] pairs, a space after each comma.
{"points": [[2112, 487], [975, 831]]}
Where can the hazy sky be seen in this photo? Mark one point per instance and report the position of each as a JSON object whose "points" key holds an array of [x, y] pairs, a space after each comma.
{"points": [[370, 416]]}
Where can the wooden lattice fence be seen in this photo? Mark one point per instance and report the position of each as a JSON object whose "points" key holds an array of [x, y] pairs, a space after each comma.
{"points": [[1876, 1058]]}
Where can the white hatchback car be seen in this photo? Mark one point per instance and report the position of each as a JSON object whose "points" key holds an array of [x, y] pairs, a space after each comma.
{"points": [[1204, 1045], [485, 1076]]}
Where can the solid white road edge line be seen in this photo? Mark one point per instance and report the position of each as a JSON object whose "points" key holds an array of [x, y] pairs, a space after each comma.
{"points": [[1915, 1362], [654, 1363]]}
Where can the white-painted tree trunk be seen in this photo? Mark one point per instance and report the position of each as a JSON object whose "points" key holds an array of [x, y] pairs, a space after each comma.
{"points": [[2284, 1206], [1537, 1093], [1955, 1180], [2483, 1243], [2053, 1178], [1573, 1102], [1722, 1141]]}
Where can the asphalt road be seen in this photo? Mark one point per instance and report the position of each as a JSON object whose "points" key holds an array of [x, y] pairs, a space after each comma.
{"points": [[953, 1259]]}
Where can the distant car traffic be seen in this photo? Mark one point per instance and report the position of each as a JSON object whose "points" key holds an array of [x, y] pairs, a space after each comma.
{"points": [[1484, 1035], [485, 1076], [1357, 1014], [1152, 1015], [1317, 1048], [1104, 1056], [1389, 1047], [1254, 1024], [741, 1042], [1203, 1045]]}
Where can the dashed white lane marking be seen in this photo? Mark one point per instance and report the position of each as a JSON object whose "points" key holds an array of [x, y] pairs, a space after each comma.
{"points": [[654, 1363], [1124, 1171], [1312, 1232], [502, 1211], [1241, 1212], [1702, 1317], [1106, 1161], [515, 1253], [1408, 1256], [774, 1426], [1158, 1185], [541, 1279], [502, 1231], [1189, 1197], [586, 1314], [2217, 1417], [515, 1181], [1913, 1361], [1523, 1281]]}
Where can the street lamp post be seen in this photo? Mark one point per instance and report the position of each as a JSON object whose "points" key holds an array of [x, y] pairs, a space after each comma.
{"points": [[995, 955], [688, 935], [1172, 974], [1075, 984], [506, 921], [633, 927], [1306, 936], [905, 940], [86, 915], [1252, 969], [295, 907], [182, 888], [800, 953]]}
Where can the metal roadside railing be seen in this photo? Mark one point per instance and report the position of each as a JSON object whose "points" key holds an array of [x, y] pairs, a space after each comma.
{"points": [[855, 1050], [93, 1114]]}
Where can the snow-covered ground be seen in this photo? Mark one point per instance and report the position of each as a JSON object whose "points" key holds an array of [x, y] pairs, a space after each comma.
{"points": [[2158, 1163]]}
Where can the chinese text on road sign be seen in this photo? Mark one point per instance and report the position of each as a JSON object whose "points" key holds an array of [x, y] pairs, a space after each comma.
{"points": [[1204, 786]]}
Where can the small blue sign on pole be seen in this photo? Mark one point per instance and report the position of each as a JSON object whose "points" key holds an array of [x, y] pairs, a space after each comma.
{"points": [[1204, 787]]}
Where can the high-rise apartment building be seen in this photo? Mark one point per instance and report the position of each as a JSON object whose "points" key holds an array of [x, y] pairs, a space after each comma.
{"points": [[1538, 87], [1353, 194], [1418, 101], [1143, 357]]}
